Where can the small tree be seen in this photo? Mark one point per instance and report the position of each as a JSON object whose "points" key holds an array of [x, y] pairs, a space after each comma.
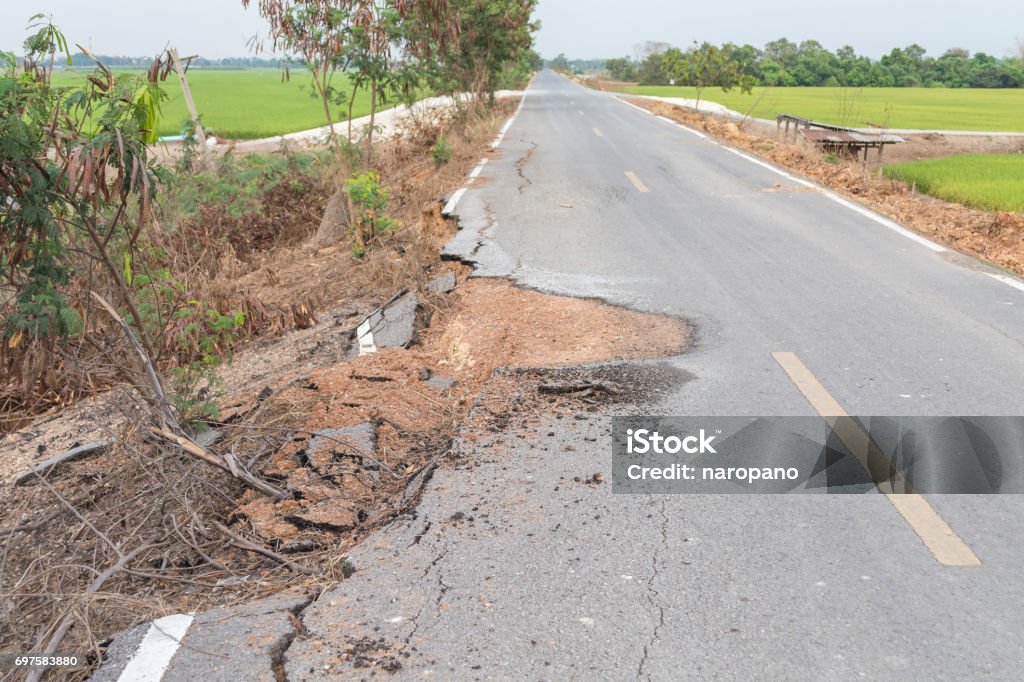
{"points": [[357, 35], [76, 187], [490, 35], [560, 63], [620, 69], [707, 66]]}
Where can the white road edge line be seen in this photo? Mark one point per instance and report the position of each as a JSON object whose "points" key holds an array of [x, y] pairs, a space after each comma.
{"points": [[364, 334], [157, 648], [857, 208], [682, 127], [1005, 279], [453, 201], [479, 167], [867, 213], [630, 104], [896, 227], [510, 121]]}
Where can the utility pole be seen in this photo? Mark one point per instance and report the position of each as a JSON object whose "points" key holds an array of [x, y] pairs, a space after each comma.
{"points": [[187, 94]]}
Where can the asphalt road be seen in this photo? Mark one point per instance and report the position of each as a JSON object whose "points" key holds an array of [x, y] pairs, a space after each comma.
{"points": [[513, 569]]}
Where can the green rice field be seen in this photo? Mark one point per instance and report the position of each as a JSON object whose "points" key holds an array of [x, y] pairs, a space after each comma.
{"points": [[244, 104], [921, 108], [987, 181]]}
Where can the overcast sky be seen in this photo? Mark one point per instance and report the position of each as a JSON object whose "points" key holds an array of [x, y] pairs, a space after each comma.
{"points": [[579, 28]]}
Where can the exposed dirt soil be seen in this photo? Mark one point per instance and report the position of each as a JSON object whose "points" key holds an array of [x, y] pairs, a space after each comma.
{"points": [[995, 236], [416, 398], [934, 145]]}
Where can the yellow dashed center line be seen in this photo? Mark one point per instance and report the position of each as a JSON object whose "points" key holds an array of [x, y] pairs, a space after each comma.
{"points": [[598, 132], [942, 541], [640, 187]]}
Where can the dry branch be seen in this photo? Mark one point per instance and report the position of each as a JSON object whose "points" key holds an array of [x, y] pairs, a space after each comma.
{"points": [[69, 618], [227, 463], [159, 397], [240, 542]]}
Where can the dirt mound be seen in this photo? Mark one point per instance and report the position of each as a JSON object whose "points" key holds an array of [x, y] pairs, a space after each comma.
{"points": [[499, 325]]}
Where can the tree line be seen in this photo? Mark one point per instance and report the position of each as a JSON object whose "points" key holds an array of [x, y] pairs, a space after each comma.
{"points": [[81, 60], [785, 63]]}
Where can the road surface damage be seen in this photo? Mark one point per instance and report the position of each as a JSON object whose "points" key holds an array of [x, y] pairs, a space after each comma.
{"points": [[350, 431]]}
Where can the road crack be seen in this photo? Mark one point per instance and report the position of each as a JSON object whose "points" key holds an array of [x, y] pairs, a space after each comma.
{"points": [[521, 164], [654, 596], [278, 650], [437, 602]]}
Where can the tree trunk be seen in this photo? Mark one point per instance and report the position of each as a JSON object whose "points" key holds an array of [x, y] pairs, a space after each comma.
{"points": [[320, 82], [335, 221], [373, 116]]}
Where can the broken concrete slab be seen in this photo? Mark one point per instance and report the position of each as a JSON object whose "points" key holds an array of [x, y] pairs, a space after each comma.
{"points": [[360, 437], [393, 325], [442, 284], [243, 642], [76, 453], [441, 383]]}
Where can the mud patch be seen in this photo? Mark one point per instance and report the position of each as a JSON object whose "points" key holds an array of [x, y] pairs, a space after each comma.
{"points": [[499, 325]]}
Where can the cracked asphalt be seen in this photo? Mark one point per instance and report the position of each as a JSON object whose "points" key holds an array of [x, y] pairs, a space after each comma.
{"points": [[514, 567]]}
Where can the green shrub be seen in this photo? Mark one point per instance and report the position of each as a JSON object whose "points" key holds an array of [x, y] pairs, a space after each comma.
{"points": [[441, 152], [369, 200]]}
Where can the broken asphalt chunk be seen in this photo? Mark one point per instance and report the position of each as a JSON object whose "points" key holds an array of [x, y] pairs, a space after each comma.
{"points": [[442, 284], [361, 437], [393, 325]]}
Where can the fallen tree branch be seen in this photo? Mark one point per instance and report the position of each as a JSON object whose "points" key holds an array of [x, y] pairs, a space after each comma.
{"points": [[47, 465], [226, 464], [159, 397]]}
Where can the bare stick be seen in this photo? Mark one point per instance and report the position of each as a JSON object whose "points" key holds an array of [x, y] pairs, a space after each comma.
{"points": [[199, 452], [242, 543], [187, 95], [159, 397]]}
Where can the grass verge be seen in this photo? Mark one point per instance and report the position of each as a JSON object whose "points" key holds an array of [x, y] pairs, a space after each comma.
{"points": [[986, 181]]}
